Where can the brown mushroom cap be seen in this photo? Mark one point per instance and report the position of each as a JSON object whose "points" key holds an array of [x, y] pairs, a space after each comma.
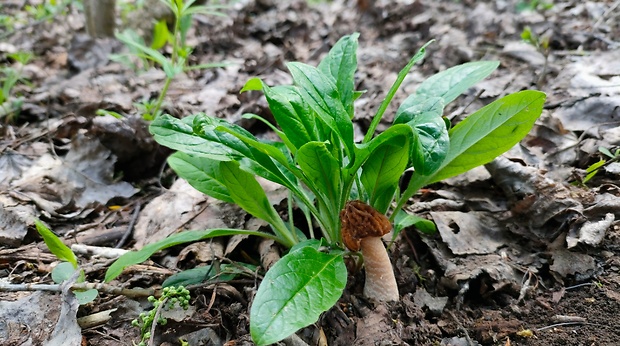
{"points": [[358, 221]]}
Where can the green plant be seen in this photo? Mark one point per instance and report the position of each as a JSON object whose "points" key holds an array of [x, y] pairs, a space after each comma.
{"points": [[7, 21], [9, 78], [69, 265], [128, 6], [183, 11], [323, 168], [147, 321], [48, 9], [541, 43], [534, 5], [594, 168]]}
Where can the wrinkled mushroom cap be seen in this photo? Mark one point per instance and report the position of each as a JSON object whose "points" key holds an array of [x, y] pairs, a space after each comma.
{"points": [[358, 221]]}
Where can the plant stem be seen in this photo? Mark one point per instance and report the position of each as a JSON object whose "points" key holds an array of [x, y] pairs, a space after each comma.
{"points": [[160, 99], [390, 95], [173, 59], [415, 184]]}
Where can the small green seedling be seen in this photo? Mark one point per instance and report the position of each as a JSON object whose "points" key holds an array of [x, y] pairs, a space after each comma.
{"points": [[338, 183], [541, 43], [105, 112], [147, 321], [10, 77], [534, 5], [183, 11], [48, 9], [65, 269], [595, 167], [7, 22]]}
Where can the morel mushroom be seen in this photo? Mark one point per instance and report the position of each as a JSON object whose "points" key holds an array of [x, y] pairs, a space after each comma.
{"points": [[362, 228]]}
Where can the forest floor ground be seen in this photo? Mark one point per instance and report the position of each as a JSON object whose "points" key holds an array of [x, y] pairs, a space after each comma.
{"points": [[538, 264]]}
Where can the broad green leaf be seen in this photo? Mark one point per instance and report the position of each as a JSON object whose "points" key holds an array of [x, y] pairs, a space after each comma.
{"points": [[201, 173], [135, 257], [490, 132], [432, 143], [197, 135], [62, 271], [294, 293], [341, 63], [178, 134], [449, 84], [266, 148], [283, 137], [160, 34], [55, 245], [320, 167], [382, 170], [194, 276], [85, 297], [483, 136], [404, 220], [364, 150], [264, 159], [247, 193], [313, 243], [291, 112], [322, 95]]}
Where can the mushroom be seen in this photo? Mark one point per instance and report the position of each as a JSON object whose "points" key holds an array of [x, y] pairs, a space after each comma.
{"points": [[362, 228]]}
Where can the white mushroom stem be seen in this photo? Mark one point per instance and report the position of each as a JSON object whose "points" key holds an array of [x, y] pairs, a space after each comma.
{"points": [[380, 281]]}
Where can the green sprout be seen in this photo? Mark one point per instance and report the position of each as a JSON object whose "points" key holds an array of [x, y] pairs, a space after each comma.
{"points": [[177, 62]]}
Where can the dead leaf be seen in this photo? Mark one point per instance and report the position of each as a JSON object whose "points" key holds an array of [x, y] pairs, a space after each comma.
{"points": [[65, 187], [590, 232], [535, 198], [434, 304], [180, 207], [14, 221], [571, 263], [12, 165], [459, 229]]}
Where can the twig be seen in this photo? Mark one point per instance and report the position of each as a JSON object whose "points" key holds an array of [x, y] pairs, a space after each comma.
{"points": [[99, 251], [605, 14], [580, 285], [132, 222], [96, 319], [559, 325], [212, 301], [101, 287], [470, 342], [155, 318]]}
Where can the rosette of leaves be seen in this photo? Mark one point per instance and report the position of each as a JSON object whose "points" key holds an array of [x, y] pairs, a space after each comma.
{"points": [[322, 166]]}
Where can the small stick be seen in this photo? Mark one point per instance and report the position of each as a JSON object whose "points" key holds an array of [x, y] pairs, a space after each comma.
{"points": [[99, 251], [470, 342], [101, 287], [96, 319], [559, 325], [132, 222], [154, 323]]}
